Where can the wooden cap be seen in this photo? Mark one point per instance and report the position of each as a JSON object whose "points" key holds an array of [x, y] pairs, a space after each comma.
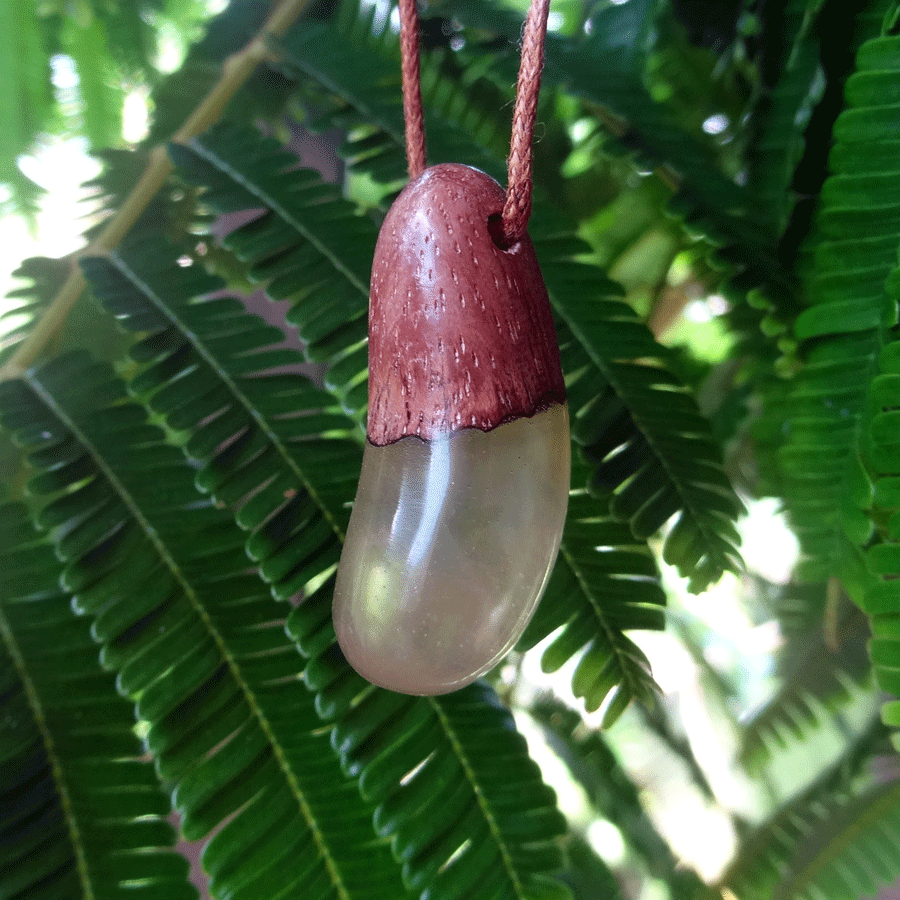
{"points": [[460, 330]]}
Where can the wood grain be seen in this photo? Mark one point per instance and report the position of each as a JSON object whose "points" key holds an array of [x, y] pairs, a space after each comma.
{"points": [[460, 331]]}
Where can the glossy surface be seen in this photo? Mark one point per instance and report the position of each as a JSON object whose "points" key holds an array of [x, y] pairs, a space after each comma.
{"points": [[449, 547]]}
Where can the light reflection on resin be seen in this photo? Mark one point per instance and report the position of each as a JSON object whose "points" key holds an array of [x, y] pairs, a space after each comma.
{"points": [[449, 547]]}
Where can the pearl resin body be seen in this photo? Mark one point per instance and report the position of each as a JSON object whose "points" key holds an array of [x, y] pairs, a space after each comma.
{"points": [[449, 548]]}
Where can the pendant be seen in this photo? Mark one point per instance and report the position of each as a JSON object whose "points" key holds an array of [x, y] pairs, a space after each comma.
{"points": [[465, 477]]}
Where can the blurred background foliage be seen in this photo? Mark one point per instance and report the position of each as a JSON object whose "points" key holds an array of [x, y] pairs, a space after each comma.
{"points": [[725, 172]]}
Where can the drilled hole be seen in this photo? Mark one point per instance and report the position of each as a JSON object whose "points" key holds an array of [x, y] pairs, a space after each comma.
{"points": [[495, 230]]}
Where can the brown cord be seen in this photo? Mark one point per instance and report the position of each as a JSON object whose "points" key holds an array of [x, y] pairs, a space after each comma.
{"points": [[520, 164], [412, 92], [517, 209]]}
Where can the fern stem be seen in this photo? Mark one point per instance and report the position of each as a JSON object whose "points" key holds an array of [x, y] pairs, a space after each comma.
{"points": [[236, 70], [483, 804]]}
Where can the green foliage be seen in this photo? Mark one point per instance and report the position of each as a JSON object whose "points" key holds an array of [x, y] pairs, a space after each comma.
{"points": [[792, 66], [835, 839], [67, 835], [203, 653], [70, 70], [24, 305], [605, 582], [843, 328], [882, 602], [167, 643], [823, 666], [310, 245], [594, 765], [606, 66], [25, 89]]}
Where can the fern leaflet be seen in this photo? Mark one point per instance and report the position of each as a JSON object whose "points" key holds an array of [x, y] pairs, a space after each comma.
{"points": [[843, 328], [68, 834], [196, 640]]}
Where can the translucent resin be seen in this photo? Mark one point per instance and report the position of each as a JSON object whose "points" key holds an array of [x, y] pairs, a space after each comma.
{"points": [[449, 548]]}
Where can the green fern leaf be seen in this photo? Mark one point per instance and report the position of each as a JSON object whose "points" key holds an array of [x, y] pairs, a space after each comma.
{"points": [[855, 855], [882, 601], [843, 327], [100, 90], [25, 91], [267, 443], [836, 840], [587, 874], [605, 582], [604, 65], [453, 134], [171, 211], [68, 833], [653, 448], [823, 666], [25, 304], [175, 97], [463, 803], [197, 642], [310, 245], [594, 765], [780, 116]]}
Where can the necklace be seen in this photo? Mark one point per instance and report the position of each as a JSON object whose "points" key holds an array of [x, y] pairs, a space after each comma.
{"points": [[465, 477]]}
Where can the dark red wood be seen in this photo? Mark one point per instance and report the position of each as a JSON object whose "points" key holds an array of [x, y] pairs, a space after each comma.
{"points": [[460, 330]]}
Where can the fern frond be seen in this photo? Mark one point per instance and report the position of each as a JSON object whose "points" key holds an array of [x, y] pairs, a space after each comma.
{"points": [[614, 796], [266, 442], [794, 85], [836, 840], [882, 601], [197, 642], [310, 245], [823, 667], [463, 803], [171, 211], [653, 448], [605, 582], [856, 855], [473, 141], [843, 328], [603, 65], [26, 304], [68, 833], [587, 874], [263, 96]]}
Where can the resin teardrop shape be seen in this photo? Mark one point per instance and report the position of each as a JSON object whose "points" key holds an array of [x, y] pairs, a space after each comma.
{"points": [[465, 479], [449, 549]]}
